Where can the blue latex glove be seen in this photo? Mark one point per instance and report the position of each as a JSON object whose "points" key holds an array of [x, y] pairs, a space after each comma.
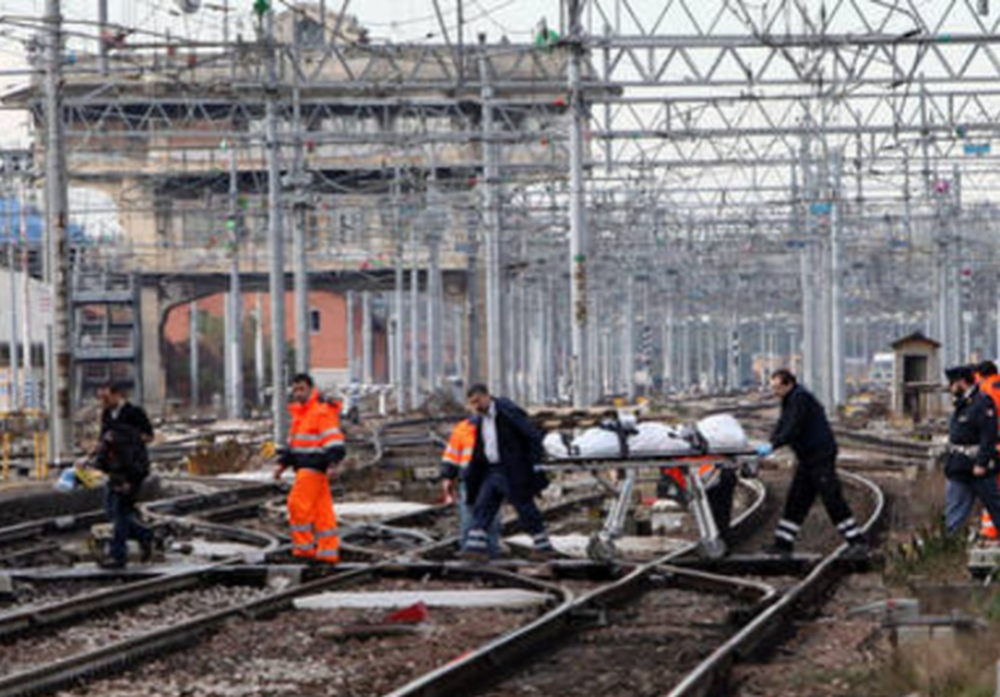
{"points": [[764, 449]]}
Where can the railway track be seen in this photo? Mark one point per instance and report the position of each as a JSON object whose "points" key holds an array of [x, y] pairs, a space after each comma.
{"points": [[892, 446], [62, 539], [122, 601], [627, 613], [586, 628], [243, 618]]}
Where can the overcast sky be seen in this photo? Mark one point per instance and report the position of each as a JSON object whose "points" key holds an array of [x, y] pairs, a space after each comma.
{"points": [[398, 20], [415, 20]]}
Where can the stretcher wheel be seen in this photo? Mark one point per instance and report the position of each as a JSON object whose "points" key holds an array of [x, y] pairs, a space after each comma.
{"points": [[713, 549], [601, 548]]}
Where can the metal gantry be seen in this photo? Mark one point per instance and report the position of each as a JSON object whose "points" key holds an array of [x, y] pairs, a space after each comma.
{"points": [[780, 171]]}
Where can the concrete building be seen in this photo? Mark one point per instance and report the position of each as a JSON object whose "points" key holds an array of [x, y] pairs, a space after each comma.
{"points": [[382, 161], [328, 346]]}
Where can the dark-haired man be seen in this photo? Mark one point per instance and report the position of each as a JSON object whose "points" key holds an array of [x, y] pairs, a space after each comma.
{"points": [[803, 427], [122, 455], [315, 445], [971, 460], [507, 447], [988, 381]]}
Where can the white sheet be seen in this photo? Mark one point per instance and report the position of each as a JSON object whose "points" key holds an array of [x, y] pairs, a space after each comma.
{"points": [[721, 432]]}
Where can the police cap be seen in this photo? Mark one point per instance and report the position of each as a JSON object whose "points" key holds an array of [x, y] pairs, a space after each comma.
{"points": [[960, 372]]}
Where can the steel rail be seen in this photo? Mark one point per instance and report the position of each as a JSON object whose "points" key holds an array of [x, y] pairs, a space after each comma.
{"points": [[189, 503], [32, 619], [62, 524], [47, 526], [119, 655], [510, 524], [462, 676], [911, 448], [712, 675]]}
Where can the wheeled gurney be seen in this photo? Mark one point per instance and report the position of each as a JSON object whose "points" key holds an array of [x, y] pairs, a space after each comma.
{"points": [[697, 451]]}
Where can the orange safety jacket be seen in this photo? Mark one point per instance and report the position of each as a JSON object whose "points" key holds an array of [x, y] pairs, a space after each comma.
{"points": [[315, 439], [991, 387], [458, 453], [705, 472]]}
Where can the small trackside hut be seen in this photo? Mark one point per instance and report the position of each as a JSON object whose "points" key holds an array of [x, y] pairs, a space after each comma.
{"points": [[916, 384]]}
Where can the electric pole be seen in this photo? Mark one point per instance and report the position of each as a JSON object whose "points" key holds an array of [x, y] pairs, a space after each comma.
{"points": [[299, 181], [579, 359], [399, 318], [57, 271], [276, 242], [235, 348], [494, 229]]}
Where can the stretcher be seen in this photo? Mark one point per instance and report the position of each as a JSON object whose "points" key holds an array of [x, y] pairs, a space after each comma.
{"points": [[694, 456]]}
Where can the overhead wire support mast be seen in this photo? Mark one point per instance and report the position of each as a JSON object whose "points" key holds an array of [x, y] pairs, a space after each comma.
{"points": [[579, 358], [494, 227], [276, 241], [57, 244], [235, 347], [299, 182]]}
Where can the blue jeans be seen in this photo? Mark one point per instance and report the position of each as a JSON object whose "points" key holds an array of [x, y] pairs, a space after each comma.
{"points": [[465, 509], [492, 494], [960, 495], [121, 512]]}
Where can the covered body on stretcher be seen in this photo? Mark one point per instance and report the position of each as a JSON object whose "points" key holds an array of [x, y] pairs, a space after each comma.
{"points": [[621, 439], [691, 457]]}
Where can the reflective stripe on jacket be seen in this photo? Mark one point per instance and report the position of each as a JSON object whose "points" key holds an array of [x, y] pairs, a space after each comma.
{"points": [[315, 439], [458, 453]]}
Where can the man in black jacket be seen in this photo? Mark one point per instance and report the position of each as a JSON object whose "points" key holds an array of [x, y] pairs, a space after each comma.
{"points": [[971, 460], [803, 426], [506, 450], [122, 455]]}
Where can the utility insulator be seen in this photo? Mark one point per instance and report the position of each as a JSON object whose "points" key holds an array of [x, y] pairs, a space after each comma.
{"points": [[13, 162], [984, 7]]}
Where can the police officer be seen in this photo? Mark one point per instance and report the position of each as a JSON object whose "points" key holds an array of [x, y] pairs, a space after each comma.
{"points": [[803, 426], [971, 459]]}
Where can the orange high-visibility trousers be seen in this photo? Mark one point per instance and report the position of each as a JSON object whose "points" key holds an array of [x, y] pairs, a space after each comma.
{"points": [[312, 519]]}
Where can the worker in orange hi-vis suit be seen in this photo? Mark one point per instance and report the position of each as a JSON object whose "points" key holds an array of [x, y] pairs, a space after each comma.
{"points": [[454, 466], [989, 384], [315, 445]]}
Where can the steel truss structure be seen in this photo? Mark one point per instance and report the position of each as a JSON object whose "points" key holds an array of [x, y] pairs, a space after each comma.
{"points": [[748, 172]]}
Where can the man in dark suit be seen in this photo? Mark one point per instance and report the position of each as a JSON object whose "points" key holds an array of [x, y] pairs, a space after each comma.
{"points": [[506, 450]]}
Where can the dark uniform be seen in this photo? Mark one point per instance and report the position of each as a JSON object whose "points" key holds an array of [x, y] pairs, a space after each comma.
{"points": [[803, 426], [972, 441]]}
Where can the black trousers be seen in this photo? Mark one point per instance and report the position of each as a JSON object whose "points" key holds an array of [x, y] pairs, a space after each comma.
{"points": [[720, 500], [122, 512], [817, 476]]}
